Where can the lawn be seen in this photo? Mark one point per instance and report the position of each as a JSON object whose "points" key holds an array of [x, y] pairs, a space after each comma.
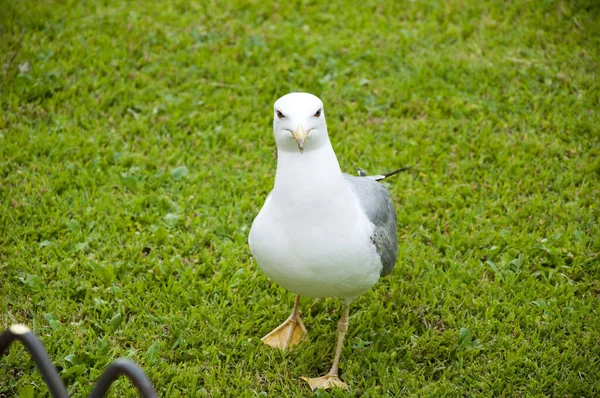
{"points": [[136, 149]]}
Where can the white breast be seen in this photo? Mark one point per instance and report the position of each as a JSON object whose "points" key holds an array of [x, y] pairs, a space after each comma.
{"points": [[316, 248]]}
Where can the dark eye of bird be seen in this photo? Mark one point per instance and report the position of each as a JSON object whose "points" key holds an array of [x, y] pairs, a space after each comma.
{"points": [[280, 115], [318, 113]]}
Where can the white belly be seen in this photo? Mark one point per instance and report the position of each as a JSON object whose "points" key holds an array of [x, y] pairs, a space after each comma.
{"points": [[326, 253]]}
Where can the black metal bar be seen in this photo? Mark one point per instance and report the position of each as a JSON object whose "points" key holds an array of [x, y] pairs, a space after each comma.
{"points": [[52, 378], [129, 369], [39, 355]]}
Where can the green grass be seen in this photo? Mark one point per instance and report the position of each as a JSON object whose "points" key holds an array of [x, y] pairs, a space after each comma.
{"points": [[136, 149]]}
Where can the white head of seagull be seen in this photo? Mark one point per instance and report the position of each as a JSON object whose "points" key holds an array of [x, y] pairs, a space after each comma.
{"points": [[299, 123]]}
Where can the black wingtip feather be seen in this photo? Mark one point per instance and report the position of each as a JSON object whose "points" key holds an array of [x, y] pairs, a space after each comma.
{"points": [[400, 170]]}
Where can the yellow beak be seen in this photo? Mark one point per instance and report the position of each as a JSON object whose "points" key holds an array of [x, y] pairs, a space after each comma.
{"points": [[300, 135]]}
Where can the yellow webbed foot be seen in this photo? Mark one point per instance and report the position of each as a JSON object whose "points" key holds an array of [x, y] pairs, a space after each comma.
{"points": [[328, 381], [290, 332]]}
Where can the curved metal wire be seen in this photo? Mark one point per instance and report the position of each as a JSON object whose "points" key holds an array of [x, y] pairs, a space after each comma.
{"points": [[129, 369], [39, 355], [51, 377]]}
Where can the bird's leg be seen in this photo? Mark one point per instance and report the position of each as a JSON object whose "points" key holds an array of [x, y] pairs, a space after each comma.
{"points": [[331, 379], [290, 332]]}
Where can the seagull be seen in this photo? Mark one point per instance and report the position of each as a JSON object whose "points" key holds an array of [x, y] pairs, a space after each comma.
{"points": [[320, 232]]}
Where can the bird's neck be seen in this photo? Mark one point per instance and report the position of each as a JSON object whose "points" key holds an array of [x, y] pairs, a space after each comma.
{"points": [[316, 171]]}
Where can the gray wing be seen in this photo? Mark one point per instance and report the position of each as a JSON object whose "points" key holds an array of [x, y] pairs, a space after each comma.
{"points": [[376, 202]]}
